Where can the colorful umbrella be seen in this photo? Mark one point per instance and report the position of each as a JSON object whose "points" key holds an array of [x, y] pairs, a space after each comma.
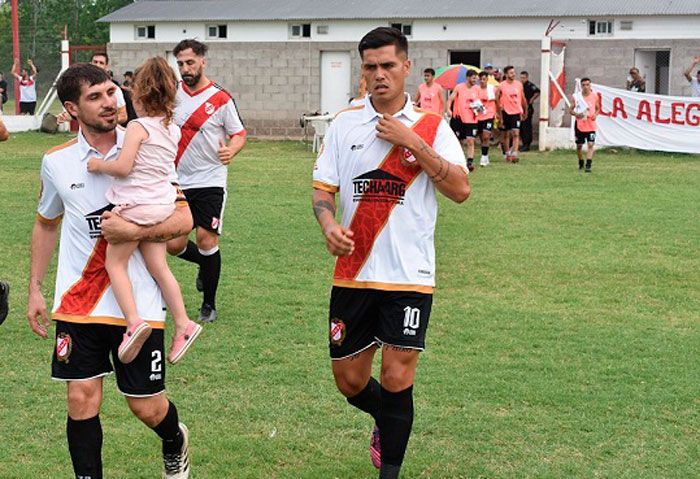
{"points": [[452, 75]]}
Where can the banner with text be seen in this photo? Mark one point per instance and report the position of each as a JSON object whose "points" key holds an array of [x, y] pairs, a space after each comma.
{"points": [[648, 122]]}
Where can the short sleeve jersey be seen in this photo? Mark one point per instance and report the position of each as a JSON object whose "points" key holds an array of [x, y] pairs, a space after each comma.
{"points": [[588, 124], [387, 200], [77, 198], [511, 97], [694, 87], [205, 117], [27, 89]]}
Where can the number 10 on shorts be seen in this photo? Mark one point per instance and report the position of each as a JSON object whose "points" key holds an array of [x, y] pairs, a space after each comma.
{"points": [[411, 320]]}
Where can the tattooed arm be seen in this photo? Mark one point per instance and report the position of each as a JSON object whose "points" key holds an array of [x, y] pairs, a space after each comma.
{"points": [[449, 179], [117, 230], [338, 239]]}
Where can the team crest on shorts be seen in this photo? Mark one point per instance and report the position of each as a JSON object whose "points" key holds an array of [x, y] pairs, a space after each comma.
{"points": [[337, 332], [215, 223], [64, 346], [208, 108]]}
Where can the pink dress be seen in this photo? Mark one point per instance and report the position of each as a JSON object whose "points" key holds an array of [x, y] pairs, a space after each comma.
{"points": [[146, 196]]}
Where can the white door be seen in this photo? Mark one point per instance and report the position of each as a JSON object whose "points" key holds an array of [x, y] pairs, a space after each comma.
{"points": [[645, 60], [172, 61], [335, 81]]}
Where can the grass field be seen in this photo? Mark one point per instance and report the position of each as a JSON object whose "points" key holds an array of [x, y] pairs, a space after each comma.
{"points": [[564, 340]]}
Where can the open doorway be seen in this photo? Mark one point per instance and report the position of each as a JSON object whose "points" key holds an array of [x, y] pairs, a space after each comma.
{"points": [[472, 58], [654, 66]]}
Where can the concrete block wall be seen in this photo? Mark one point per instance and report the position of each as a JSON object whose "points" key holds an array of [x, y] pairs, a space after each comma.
{"points": [[274, 83]]}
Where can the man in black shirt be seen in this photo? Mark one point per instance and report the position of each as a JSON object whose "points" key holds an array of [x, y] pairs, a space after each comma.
{"points": [[532, 93], [635, 82], [3, 91]]}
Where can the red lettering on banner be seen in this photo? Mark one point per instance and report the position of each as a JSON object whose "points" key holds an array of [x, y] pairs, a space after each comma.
{"points": [[695, 119], [677, 113], [644, 110], [657, 114], [618, 107]]}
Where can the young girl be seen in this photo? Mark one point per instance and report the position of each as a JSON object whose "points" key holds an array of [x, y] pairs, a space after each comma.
{"points": [[143, 194]]}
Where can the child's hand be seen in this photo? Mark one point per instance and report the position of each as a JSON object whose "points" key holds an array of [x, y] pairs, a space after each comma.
{"points": [[94, 165]]}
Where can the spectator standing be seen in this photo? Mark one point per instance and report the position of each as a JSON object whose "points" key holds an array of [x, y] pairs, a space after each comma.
{"points": [[3, 91], [532, 93], [694, 82], [27, 87], [635, 82]]}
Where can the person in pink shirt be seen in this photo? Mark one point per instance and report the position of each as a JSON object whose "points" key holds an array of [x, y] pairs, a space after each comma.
{"points": [[585, 106], [512, 110], [468, 106], [143, 194], [486, 118], [430, 95]]}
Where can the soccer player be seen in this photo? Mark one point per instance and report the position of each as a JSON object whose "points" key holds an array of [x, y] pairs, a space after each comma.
{"points": [[694, 82], [212, 134], [27, 87], [430, 95], [512, 107], [89, 323], [585, 107], [486, 118], [385, 271], [466, 95], [532, 93]]}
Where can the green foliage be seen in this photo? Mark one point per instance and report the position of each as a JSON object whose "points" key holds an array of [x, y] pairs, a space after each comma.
{"points": [[564, 338], [41, 25]]}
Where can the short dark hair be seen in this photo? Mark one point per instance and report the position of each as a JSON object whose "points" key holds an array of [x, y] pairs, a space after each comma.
{"points": [[198, 48], [585, 79], [70, 82], [100, 54], [471, 73], [524, 72], [483, 73], [429, 70], [382, 37], [508, 68], [128, 73]]}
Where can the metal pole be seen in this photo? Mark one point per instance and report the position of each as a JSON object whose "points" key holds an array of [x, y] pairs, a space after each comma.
{"points": [[15, 49], [545, 67]]}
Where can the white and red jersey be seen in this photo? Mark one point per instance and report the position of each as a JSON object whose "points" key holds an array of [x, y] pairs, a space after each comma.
{"points": [[83, 293], [27, 89], [205, 117], [387, 200]]}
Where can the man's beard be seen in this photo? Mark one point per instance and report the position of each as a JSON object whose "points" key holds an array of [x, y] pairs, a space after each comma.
{"points": [[192, 80], [102, 126]]}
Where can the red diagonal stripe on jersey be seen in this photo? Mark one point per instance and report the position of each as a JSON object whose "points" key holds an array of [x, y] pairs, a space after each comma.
{"points": [[83, 296], [197, 119], [370, 217]]}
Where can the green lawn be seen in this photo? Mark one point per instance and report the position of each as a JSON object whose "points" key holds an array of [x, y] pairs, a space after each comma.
{"points": [[564, 340]]}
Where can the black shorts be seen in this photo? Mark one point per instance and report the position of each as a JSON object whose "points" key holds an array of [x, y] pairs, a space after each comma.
{"points": [[463, 130], [511, 122], [360, 318], [27, 107], [82, 352], [583, 137], [207, 207], [484, 125]]}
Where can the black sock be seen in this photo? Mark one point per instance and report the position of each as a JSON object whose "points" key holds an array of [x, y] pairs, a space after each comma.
{"points": [[485, 150], [589, 163], [169, 431], [85, 446], [387, 471], [211, 270], [369, 399], [395, 424], [191, 253], [470, 161], [580, 164]]}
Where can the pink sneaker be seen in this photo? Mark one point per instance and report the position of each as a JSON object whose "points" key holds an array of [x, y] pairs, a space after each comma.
{"points": [[375, 448], [132, 342], [182, 343]]}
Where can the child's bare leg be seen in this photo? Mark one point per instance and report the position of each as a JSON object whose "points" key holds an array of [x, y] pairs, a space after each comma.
{"points": [[155, 256], [116, 264]]}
